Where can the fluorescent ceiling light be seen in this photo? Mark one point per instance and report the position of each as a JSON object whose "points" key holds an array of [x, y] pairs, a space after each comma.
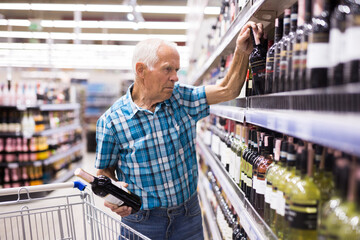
{"points": [[104, 8], [97, 24], [91, 36]]}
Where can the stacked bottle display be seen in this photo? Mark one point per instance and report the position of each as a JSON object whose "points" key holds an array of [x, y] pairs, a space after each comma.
{"points": [[306, 48], [22, 159], [226, 217], [301, 190]]}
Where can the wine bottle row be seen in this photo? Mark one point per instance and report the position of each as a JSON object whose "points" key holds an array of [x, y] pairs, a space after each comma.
{"points": [[33, 93], [306, 50], [35, 175], [227, 219], [31, 122], [293, 184]]}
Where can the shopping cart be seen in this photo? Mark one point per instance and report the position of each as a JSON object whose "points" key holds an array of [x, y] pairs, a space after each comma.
{"points": [[73, 216]]}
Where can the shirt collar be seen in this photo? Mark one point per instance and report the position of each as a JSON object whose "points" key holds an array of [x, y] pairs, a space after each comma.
{"points": [[130, 108]]}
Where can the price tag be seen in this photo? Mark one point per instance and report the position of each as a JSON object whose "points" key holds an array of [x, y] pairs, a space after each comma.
{"points": [[13, 165]]}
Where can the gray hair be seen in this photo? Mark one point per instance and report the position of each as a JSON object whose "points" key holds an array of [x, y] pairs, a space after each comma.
{"points": [[146, 51]]}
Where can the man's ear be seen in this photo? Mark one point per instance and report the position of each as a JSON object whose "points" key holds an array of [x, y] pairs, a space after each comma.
{"points": [[140, 69]]}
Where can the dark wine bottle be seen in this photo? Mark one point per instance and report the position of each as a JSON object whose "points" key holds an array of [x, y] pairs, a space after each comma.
{"points": [[317, 62], [283, 53], [336, 42], [304, 44], [352, 65], [257, 61], [296, 49], [276, 77], [110, 190], [289, 46], [269, 72]]}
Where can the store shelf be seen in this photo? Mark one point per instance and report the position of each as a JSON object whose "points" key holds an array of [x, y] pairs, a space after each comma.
{"points": [[252, 223], [59, 107], [329, 129], [233, 113], [50, 132], [10, 134], [66, 176], [46, 162], [64, 154], [209, 213], [257, 10], [326, 128]]}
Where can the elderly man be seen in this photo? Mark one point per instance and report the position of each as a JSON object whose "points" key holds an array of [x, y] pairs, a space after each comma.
{"points": [[147, 138]]}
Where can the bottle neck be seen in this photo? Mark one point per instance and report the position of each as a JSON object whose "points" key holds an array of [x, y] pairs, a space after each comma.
{"points": [[278, 30], [308, 11], [293, 21], [286, 25]]}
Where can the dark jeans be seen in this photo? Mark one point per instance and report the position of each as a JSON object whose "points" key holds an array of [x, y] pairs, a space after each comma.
{"points": [[181, 222]]}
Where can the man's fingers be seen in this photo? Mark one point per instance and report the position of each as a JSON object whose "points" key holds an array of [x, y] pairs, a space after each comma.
{"points": [[122, 210]]}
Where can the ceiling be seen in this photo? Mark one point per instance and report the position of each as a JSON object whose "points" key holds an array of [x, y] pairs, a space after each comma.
{"points": [[49, 38]]}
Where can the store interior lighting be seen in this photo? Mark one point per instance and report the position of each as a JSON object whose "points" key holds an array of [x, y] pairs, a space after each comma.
{"points": [[104, 8]]}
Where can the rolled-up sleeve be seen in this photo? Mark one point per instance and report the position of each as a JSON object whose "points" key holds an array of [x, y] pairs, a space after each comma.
{"points": [[107, 148]]}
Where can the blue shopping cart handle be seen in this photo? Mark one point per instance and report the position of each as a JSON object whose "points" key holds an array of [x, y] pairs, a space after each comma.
{"points": [[79, 185]]}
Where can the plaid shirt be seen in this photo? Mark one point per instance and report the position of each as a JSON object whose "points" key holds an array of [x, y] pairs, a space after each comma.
{"points": [[154, 152]]}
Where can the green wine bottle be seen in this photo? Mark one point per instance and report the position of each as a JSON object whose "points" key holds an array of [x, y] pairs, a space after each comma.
{"points": [[304, 201], [268, 180]]}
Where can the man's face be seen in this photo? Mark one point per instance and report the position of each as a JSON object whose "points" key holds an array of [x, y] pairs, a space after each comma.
{"points": [[160, 80]]}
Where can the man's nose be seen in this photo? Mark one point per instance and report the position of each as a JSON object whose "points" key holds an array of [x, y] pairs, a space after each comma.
{"points": [[174, 77]]}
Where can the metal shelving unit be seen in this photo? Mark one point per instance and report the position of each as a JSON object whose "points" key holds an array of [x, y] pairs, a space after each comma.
{"points": [[325, 128], [65, 128], [250, 220], [59, 107], [263, 10]]}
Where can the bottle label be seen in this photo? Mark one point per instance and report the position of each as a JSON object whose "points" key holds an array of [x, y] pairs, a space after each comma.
{"points": [[268, 191], [254, 182], [353, 50], [336, 42], [303, 216], [318, 55], [281, 203], [273, 199], [261, 187]]}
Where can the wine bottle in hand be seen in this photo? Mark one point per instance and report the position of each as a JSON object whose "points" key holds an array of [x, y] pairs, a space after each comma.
{"points": [[110, 190]]}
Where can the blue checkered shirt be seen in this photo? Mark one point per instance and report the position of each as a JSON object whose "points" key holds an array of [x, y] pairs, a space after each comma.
{"points": [[154, 152]]}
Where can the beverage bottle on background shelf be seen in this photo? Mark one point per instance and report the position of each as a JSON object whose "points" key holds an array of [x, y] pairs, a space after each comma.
{"points": [[10, 149], [304, 201], [269, 72], [249, 83], [283, 182], [276, 75], [262, 165], [350, 229], [110, 190], [304, 43], [268, 210], [341, 171], [250, 158], [246, 152], [337, 40], [7, 179], [296, 50], [290, 47], [317, 62], [324, 177], [277, 212], [347, 208], [352, 54], [12, 94], [245, 142], [256, 160], [237, 148], [257, 61], [282, 81]]}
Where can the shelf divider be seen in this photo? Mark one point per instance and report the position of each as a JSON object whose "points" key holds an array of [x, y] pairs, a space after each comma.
{"points": [[250, 220]]}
